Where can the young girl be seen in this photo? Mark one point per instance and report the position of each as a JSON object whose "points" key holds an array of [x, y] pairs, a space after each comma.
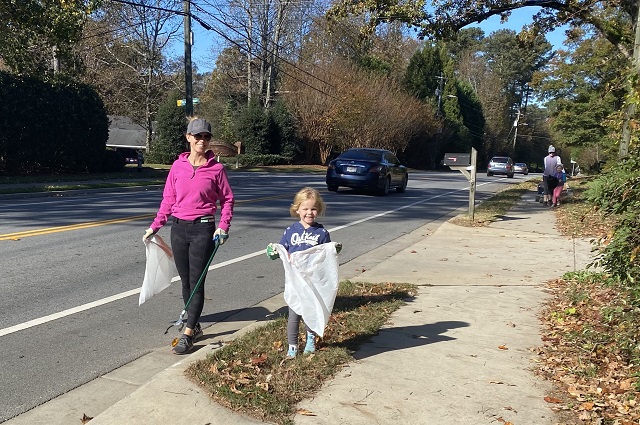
{"points": [[557, 191], [307, 206]]}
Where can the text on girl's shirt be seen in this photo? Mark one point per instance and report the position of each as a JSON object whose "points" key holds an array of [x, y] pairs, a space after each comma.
{"points": [[304, 238]]}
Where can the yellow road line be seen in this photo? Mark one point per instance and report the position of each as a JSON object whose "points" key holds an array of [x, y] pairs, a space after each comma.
{"points": [[38, 232]]}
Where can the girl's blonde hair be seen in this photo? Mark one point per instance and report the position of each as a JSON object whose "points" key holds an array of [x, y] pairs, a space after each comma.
{"points": [[305, 194]]}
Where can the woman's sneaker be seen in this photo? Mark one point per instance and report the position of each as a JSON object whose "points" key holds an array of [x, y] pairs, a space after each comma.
{"points": [[184, 345], [197, 332], [311, 343]]}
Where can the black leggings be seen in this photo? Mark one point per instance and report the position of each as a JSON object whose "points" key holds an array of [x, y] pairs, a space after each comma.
{"points": [[192, 245]]}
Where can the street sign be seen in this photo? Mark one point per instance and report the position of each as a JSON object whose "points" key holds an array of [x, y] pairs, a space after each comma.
{"points": [[182, 102]]}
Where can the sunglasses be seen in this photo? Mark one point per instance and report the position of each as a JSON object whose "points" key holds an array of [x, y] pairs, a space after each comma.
{"points": [[202, 136]]}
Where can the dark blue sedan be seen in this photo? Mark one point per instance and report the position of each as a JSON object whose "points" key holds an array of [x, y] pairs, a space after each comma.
{"points": [[376, 170]]}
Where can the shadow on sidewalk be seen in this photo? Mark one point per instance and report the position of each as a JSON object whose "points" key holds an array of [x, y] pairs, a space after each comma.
{"points": [[389, 339], [252, 314]]}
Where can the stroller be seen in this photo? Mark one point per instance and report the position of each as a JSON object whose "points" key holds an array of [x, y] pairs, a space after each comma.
{"points": [[540, 193]]}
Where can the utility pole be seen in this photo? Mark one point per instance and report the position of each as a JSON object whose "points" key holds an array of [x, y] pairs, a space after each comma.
{"points": [[439, 92], [55, 60], [188, 41], [515, 135]]}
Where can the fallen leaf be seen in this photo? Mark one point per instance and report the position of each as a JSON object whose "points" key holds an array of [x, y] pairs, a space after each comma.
{"points": [[260, 359], [277, 345], [413, 251], [305, 412], [502, 347], [584, 416], [586, 405], [626, 384], [234, 390], [263, 385], [85, 418], [552, 400]]}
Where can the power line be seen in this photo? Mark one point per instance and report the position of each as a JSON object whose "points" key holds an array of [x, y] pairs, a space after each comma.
{"points": [[267, 50]]}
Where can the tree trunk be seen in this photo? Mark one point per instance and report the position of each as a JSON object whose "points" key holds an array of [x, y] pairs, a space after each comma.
{"points": [[630, 110]]}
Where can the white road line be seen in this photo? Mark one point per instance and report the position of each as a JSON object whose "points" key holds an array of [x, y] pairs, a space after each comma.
{"points": [[116, 297]]}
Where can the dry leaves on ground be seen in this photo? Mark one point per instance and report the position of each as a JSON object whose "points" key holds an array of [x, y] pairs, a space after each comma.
{"points": [[589, 352]]}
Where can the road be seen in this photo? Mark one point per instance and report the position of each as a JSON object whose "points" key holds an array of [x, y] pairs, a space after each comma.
{"points": [[71, 267]]}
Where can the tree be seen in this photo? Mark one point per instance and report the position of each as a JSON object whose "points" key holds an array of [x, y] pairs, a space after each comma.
{"points": [[267, 32], [171, 128], [431, 77], [616, 20], [123, 50], [38, 36], [583, 88], [224, 93], [253, 128], [352, 107]]}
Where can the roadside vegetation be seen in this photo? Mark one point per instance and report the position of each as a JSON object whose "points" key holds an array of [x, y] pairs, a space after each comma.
{"points": [[250, 374], [591, 349], [496, 206]]}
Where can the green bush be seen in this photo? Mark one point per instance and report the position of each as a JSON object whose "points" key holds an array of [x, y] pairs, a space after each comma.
{"points": [[169, 141], [112, 161], [617, 194], [57, 126], [250, 160]]}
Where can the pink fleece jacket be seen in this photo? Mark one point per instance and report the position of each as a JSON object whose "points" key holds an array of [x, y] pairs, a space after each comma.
{"points": [[190, 194]]}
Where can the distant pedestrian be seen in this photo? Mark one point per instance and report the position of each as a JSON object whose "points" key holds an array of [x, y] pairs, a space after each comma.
{"points": [[561, 177], [550, 162], [140, 160], [302, 235], [196, 182]]}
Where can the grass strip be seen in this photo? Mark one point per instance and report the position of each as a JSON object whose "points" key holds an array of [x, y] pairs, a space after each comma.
{"points": [[250, 374], [496, 206]]}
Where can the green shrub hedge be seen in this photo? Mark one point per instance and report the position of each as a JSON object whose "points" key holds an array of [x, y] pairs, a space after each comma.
{"points": [[251, 160], [57, 126]]}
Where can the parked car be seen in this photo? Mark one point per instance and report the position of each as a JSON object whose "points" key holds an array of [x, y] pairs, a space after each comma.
{"points": [[377, 170], [500, 165], [521, 168]]}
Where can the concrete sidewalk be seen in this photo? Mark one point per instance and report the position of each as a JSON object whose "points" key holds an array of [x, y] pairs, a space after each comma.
{"points": [[459, 353]]}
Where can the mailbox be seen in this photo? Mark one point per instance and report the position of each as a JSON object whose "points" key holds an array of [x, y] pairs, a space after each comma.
{"points": [[457, 159]]}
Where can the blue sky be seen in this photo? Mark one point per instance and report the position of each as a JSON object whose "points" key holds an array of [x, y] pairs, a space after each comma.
{"points": [[518, 19], [204, 59]]}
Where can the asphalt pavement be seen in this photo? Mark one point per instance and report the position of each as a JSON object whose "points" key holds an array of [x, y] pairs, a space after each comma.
{"points": [[461, 352]]}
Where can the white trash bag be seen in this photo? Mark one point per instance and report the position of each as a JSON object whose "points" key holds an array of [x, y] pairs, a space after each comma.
{"points": [[160, 269], [311, 283]]}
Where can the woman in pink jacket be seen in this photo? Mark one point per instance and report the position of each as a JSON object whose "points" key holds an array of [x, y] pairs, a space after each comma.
{"points": [[195, 184]]}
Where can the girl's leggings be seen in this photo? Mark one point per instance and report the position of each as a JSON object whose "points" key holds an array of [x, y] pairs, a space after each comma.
{"points": [[557, 191], [293, 325]]}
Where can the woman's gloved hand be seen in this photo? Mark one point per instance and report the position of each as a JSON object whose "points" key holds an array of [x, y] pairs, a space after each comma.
{"points": [[338, 247], [272, 254], [147, 234], [222, 235]]}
